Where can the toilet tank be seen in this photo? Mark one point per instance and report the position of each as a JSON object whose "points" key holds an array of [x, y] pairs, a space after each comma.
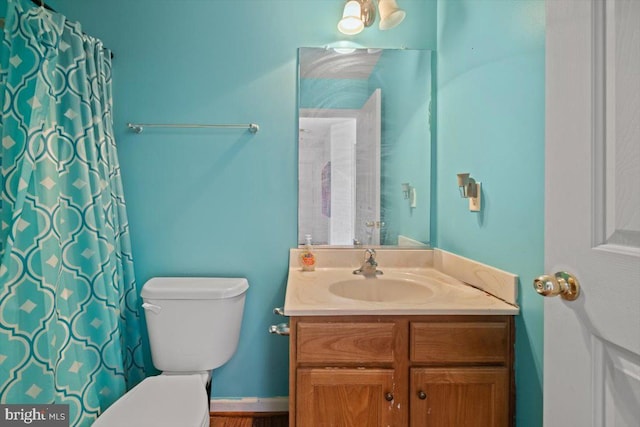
{"points": [[193, 322]]}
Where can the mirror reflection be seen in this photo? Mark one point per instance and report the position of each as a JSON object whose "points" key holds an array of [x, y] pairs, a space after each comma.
{"points": [[364, 144]]}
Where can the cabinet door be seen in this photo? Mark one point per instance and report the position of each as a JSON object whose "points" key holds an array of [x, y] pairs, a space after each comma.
{"points": [[345, 398], [454, 397]]}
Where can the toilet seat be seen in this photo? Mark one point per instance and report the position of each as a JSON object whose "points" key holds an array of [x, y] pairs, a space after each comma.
{"points": [[160, 401]]}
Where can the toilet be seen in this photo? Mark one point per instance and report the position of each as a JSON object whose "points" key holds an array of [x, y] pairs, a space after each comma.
{"points": [[194, 327]]}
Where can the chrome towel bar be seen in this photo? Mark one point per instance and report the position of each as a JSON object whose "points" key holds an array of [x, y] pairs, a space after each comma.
{"points": [[139, 127]]}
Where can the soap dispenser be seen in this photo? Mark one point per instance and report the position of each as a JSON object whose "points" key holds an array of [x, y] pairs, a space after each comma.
{"points": [[307, 258]]}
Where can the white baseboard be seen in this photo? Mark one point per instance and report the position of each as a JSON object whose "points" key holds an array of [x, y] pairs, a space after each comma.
{"points": [[250, 404]]}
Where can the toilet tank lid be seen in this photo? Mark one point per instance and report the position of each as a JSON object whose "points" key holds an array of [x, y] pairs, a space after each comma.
{"points": [[194, 287]]}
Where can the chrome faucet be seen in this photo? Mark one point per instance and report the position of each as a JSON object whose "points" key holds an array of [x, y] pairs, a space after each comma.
{"points": [[369, 266]]}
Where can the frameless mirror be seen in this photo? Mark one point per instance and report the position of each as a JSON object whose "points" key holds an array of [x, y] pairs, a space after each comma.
{"points": [[364, 141]]}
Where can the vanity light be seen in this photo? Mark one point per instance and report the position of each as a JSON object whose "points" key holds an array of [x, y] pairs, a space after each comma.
{"points": [[390, 14], [470, 189], [343, 46], [351, 22], [358, 14]]}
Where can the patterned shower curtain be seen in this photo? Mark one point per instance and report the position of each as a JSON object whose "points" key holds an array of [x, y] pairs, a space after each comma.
{"points": [[69, 320]]}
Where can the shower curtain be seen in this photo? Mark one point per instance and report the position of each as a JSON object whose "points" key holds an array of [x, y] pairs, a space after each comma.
{"points": [[69, 320]]}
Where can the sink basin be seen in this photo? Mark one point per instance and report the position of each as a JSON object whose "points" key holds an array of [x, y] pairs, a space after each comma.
{"points": [[380, 289]]}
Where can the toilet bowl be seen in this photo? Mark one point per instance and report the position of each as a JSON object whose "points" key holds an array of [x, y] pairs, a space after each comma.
{"points": [[163, 400], [194, 327]]}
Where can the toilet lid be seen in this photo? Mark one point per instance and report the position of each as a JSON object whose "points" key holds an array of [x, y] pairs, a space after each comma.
{"points": [[160, 401]]}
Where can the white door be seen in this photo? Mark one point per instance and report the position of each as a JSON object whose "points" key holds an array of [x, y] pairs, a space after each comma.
{"points": [[592, 344], [342, 141]]}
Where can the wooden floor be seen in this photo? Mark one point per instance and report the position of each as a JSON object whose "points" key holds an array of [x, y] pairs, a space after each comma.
{"points": [[249, 419]]}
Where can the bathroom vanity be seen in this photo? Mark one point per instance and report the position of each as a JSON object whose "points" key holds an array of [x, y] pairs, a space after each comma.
{"points": [[437, 356], [401, 370]]}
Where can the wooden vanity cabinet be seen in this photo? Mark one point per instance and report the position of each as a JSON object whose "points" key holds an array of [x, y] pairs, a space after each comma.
{"points": [[461, 371], [469, 397], [417, 371], [345, 397], [343, 371]]}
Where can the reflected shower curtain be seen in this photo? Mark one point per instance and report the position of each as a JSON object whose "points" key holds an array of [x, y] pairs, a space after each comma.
{"points": [[69, 324]]}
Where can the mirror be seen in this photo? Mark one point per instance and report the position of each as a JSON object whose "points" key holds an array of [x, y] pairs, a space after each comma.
{"points": [[364, 144]]}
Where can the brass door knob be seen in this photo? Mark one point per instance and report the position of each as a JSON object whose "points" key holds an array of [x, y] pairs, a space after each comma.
{"points": [[563, 284]]}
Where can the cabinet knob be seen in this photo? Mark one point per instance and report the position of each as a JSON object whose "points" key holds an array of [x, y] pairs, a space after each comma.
{"points": [[422, 395], [388, 397]]}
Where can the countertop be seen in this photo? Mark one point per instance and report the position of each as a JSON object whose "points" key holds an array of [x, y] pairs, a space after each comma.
{"points": [[309, 292]]}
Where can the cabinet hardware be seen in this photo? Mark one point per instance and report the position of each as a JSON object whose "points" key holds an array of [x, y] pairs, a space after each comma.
{"points": [[422, 395], [388, 397], [279, 329]]}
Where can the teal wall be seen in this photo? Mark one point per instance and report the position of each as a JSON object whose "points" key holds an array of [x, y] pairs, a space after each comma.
{"points": [[406, 154], [224, 202], [491, 123], [221, 202]]}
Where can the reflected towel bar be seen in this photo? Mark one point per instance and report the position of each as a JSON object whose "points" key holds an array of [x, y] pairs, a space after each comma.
{"points": [[139, 127]]}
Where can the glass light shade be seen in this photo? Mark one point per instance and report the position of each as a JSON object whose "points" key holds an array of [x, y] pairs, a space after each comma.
{"points": [[351, 23], [390, 14], [344, 46]]}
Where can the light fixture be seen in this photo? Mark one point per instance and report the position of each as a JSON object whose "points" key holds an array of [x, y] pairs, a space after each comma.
{"points": [[358, 14], [406, 188], [470, 189], [351, 22], [343, 46], [409, 193], [390, 14]]}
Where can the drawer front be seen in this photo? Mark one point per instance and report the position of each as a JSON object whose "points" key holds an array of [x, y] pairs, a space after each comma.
{"points": [[345, 342], [459, 342]]}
